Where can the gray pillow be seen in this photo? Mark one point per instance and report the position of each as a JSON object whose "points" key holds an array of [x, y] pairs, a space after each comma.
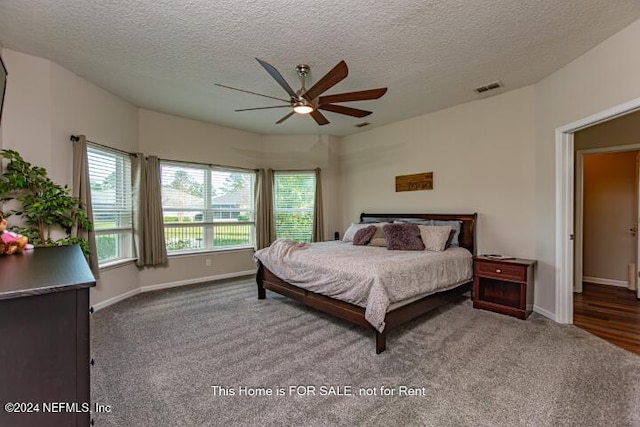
{"points": [[364, 235], [418, 221], [403, 237], [373, 219]]}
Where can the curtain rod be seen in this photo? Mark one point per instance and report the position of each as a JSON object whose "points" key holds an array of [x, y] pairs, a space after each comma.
{"points": [[295, 170], [75, 138], [213, 165]]}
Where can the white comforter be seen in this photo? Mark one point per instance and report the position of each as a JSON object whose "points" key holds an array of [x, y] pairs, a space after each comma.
{"points": [[367, 276]]}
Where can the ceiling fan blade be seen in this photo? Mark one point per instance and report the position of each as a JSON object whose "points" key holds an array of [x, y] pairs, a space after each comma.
{"points": [[264, 108], [345, 110], [253, 93], [278, 77], [285, 118], [333, 77], [362, 95], [319, 118]]}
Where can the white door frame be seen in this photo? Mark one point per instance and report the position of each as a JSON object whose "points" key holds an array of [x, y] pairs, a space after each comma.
{"points": [[637, 224], [579, 206], [564, 204], [579, 224]]}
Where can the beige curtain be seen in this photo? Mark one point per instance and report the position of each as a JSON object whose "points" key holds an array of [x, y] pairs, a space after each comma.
{"points": [[138, 190], [318, 229], [82, 191], [265, 228], [147, 218]]}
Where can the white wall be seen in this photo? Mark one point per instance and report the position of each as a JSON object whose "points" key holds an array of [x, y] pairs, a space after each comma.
{"points": [[294, 152], [624, 130], [45, 104], [80, 107], [602, 78], [482, 158], [26, 119], [178, 138]]}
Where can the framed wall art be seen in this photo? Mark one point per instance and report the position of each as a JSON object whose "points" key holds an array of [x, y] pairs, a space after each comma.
{"points": [[415, 182]]}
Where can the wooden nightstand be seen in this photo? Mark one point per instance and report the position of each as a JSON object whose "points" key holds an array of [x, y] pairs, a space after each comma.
{"points": [[504, 286]]}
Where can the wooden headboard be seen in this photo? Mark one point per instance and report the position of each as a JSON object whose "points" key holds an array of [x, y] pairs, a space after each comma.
{"points": [[467, 232]]}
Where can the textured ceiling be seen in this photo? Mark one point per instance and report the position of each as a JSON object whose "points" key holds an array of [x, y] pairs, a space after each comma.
{"points": [[166, 55]]}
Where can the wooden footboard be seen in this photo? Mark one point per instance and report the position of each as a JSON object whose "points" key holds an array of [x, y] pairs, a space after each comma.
{"points": [[265, 279], [352, 313]]}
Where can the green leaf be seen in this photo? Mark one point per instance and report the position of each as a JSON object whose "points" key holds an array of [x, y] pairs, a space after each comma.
{"points": [[42, 202]]}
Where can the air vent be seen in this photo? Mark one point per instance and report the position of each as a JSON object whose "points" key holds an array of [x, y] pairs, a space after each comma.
{"points": [[488, 87], [363, 124]]}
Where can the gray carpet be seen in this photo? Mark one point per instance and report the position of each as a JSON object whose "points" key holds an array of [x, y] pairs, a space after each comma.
{"points": [[158, 354]]}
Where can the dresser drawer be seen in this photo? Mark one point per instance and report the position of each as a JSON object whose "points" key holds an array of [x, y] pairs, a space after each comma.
{"points": [[504, 271]]}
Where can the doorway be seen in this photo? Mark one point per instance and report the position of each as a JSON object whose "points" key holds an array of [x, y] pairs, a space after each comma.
{"points": [[606, 221], [606, 240], [564, 227]]}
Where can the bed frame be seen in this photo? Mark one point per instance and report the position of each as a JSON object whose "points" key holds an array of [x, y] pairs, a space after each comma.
{"points": [[354, 314]]}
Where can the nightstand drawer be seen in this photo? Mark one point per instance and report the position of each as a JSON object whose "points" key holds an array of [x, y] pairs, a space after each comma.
{"points": [[502, 271]]}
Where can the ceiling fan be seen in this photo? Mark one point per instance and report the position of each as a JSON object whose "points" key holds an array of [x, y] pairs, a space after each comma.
{"points": [[310, 101]]}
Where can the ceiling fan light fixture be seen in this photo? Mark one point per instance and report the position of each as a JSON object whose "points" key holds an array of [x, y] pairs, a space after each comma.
{"points": [[310, 101], [302, 107]]}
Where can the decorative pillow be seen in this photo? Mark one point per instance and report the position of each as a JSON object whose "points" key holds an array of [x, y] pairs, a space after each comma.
{"points": [[455, 225], [435, 238], [352, 230], [364, 235], [403, 237], [450, 239]]}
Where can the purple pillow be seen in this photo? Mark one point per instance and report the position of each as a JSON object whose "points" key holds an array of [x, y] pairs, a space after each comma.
{"points": [[364, 235], [403, 237]]}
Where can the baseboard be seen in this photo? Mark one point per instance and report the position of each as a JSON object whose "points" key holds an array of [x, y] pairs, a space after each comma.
{"points": [[117, 298], [196, 280], [609, 282], [150, 288], [545, 313]]}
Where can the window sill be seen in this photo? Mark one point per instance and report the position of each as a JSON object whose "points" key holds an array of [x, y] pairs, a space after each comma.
{"points": [[115, 264], [211, 251]]}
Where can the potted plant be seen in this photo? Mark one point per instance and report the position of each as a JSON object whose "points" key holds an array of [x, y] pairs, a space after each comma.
{"points": [[44, 206]]}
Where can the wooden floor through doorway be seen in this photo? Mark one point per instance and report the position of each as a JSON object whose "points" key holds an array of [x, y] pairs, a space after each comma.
{"points": [[609, 312]]}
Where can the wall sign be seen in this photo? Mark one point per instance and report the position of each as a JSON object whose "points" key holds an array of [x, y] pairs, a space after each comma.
{"points": [[415, 182]]}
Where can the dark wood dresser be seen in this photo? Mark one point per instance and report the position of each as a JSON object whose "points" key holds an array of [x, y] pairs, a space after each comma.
{"points": [[44, 338]]}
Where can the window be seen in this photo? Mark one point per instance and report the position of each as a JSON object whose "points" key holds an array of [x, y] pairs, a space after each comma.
{"points": [[293, 200], [110, 182], [207, 208]]}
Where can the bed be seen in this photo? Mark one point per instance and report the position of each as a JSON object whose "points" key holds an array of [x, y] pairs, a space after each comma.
{"points": [[403, 305]]}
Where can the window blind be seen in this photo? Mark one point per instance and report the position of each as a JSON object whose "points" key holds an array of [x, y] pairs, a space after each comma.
{"points": [[293, 199], [110, 182]]}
